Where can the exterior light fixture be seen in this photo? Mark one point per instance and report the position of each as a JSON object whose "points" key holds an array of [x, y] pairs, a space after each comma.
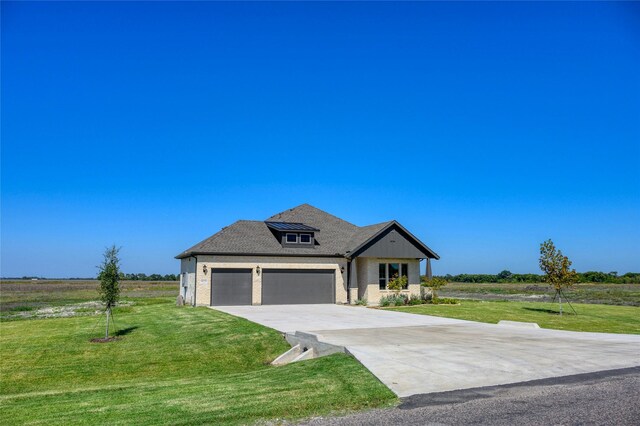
{"points": [[342, 269], [204, 269], [258, 269]]}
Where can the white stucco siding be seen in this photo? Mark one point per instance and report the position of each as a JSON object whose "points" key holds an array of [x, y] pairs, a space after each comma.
{"points": [[203, 281]]}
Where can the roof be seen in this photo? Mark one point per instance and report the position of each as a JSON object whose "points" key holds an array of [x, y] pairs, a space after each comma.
{"points": [[334, 236]]}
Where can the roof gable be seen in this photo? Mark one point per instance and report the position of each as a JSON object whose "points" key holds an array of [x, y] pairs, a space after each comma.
{"points": [[390, 239]]}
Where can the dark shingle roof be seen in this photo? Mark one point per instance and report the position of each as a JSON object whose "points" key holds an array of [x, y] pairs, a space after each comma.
{"points": [[365, 233], [334, 236]]}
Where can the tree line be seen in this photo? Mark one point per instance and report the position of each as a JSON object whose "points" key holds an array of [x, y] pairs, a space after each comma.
{"points": [[508, 277], [121, 276], [152, 277]]}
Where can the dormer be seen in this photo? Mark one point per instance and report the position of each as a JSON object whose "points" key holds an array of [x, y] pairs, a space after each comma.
{"points": [[293, 235]]}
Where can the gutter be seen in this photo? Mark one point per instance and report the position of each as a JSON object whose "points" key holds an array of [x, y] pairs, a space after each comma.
{"points": [[194, 253]]}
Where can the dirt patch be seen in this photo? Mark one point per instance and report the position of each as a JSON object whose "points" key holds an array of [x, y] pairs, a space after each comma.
{"points": [[65, 311]]}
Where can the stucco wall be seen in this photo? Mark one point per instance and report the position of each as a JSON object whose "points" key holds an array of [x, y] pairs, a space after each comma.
{"points": [[368, 286], [203, 281]]}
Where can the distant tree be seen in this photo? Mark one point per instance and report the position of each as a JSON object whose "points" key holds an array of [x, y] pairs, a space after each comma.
{"points": [[109, 277], [556, 269], [504, 275]]}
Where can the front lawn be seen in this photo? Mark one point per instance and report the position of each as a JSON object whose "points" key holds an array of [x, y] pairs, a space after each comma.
{"points": [[597, 318], [171, 366]]}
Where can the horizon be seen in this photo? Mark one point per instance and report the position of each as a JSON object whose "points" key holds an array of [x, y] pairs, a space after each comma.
{"points": [[27, 277], [483, 128]]}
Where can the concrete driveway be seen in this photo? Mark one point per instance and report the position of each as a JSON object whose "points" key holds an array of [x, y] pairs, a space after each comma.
{"points": [[415, 354]]}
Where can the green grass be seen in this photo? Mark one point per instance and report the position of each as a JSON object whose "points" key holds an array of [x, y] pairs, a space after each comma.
{"points": [[171, 366], [605, 293], [596, 318]]}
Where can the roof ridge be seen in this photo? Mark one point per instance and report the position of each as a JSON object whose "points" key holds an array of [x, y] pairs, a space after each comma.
{"points": [[386, 222], [323, 211]]}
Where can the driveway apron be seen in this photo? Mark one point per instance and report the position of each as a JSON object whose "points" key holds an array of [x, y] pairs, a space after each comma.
{"points": [[416, 354]]}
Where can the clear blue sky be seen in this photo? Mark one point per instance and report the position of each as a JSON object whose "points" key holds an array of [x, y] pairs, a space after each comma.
{"points": [[483, 128]]}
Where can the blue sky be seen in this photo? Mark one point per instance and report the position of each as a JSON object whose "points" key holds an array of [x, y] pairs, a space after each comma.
{"points": [[484, 128]]}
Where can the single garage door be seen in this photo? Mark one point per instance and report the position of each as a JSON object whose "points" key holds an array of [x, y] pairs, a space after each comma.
{"points": [[230, 287], [295, 286]]}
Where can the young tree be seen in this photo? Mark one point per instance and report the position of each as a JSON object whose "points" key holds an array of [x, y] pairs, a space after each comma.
{"points": [[109, 277], [435, 284], [556, 269]]}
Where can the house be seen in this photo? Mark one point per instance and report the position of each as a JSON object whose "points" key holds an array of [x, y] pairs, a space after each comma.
{"points": [[302, 255]]}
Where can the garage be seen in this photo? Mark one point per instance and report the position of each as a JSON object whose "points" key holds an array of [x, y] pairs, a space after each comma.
{"points": [[298, 286], [230, 287]]}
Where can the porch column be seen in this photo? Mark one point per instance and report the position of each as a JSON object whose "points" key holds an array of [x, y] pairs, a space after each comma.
{"points": [[428, 271], [353, 281]]}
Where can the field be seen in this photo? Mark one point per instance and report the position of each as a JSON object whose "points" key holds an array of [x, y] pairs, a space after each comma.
{"points": [[603, 293], [171, 365], [23, 298]]}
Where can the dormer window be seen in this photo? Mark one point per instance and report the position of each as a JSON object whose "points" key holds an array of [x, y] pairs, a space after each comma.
{"points": [[292, 238], [293, 234], [305, 238]]}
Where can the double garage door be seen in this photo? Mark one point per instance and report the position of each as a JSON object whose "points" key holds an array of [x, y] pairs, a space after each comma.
{"points": [[279, 286]]}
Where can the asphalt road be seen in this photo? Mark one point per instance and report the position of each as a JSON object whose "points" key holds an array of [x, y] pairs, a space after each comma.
{"points": [[602, 398]]}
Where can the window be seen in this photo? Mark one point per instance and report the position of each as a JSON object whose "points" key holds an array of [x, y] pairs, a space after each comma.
{"points": [[292, 238], [305, 238], [394, 271], [382, 272], [404, 272], [387, 271]]}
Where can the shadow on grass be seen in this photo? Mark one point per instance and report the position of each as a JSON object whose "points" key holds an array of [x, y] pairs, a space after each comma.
{"points": [[125, 331], [548, 311]]}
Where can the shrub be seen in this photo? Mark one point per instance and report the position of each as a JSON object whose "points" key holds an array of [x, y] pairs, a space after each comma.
{"points": [[361, 302], [415, 300], [394, 300], [447, 301]]}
